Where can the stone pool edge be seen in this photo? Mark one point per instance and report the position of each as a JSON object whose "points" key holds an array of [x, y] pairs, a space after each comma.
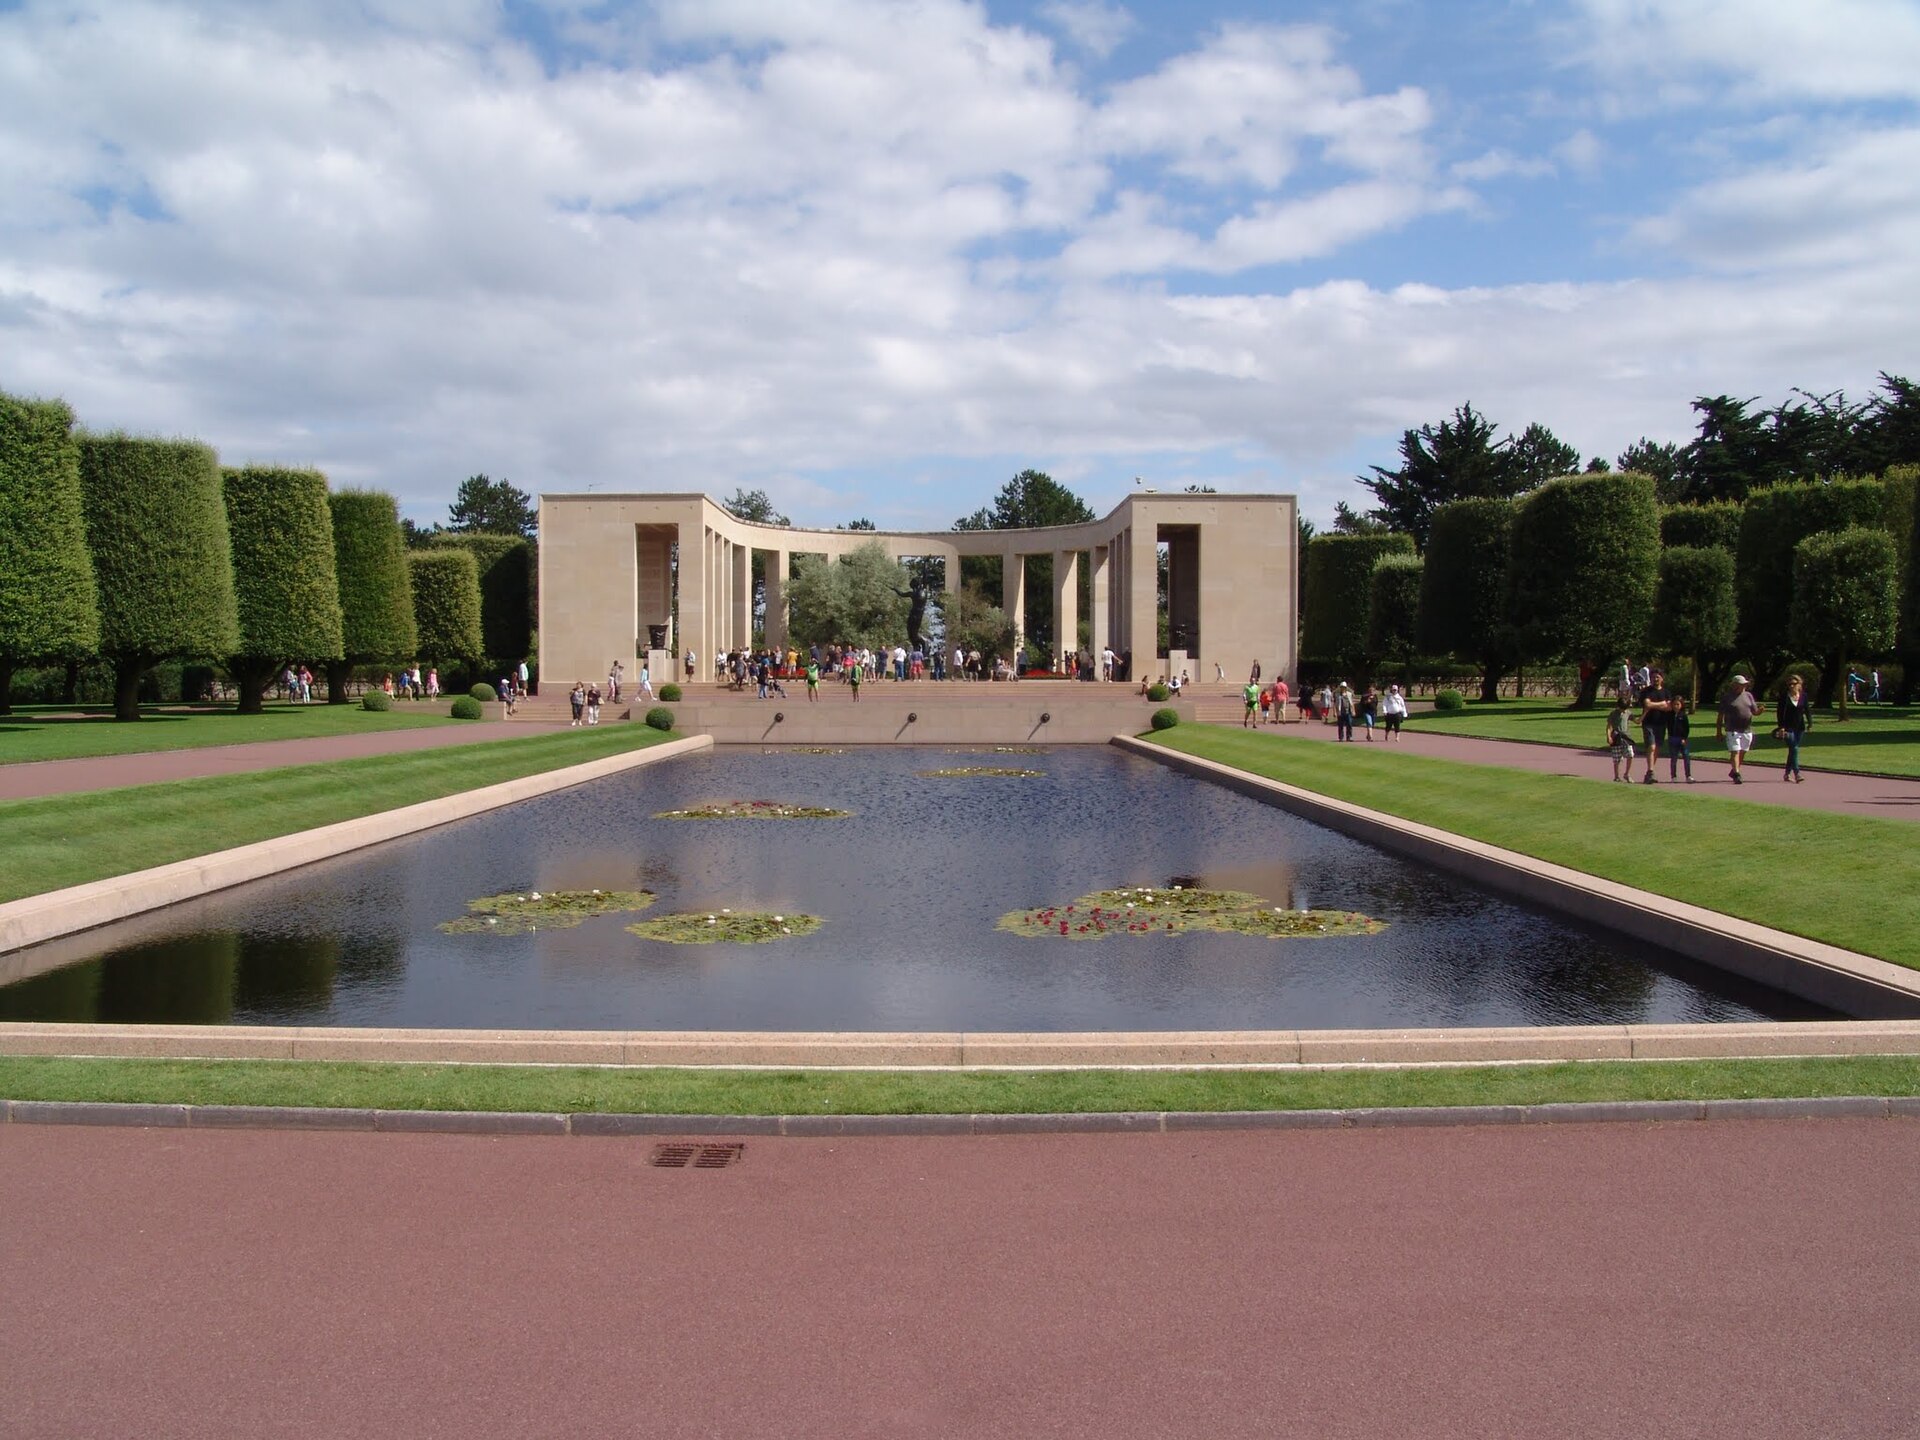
{"points": [[1825, 974], [35, 919]]}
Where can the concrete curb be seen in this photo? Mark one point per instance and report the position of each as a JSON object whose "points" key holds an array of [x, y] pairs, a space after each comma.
{"points": [[478, 1122], [1825, 974], [37, 918]]}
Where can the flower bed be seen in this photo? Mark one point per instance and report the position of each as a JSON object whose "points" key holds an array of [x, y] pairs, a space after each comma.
{"points": [[516, 914], [724, 927], [1178, 910], [970, 772], [753, 810]]}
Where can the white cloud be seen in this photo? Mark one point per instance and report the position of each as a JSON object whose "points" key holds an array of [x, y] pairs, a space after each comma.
{"points": [[1499, 164], [1091, 25]]}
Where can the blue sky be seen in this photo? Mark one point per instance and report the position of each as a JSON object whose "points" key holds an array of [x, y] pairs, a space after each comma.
{"points": [[875, 257]]}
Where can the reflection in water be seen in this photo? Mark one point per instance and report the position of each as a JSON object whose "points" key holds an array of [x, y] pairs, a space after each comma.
{"points": [[910, 887]]}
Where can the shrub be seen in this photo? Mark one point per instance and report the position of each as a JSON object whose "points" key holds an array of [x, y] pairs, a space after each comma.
{"points": [[446, 603], [1714, 526], [1449, 700], [48, 607], [1393, 607], [157, 532], [1463, 589], [660, 718], [281, 531], [1165, 719], [376, 598], [503, 564], [669, 691], [377, 700], [1157, 692], [1340, 593], [466, 707], [484, 691], [1774, 522], [1845, 593]]}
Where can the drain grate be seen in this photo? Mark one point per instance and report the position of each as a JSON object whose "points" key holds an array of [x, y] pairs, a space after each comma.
{"points": [[681, 1156]]}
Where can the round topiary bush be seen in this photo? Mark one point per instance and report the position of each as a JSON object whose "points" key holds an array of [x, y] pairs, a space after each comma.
{"points": [[1449, 700], [376, 700], [468, 708], [484, 691], [1165, 719], [669, 691], [1157, 693], [660, 718]]}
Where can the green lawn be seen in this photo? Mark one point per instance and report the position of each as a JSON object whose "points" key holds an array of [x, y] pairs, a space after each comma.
{"points": [[59, 840], [1883, 739], [61, 733], [1845, 880], [585, 1089]]}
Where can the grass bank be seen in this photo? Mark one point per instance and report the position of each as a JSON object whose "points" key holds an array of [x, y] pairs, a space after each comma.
{"points": [[59, 733], [54, 841], [1879, 739], [1842, 879], [815, 1092]]}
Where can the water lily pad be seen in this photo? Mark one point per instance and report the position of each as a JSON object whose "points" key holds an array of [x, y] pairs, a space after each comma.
{"points": [[698, 927], [1177, 910], [969, 772], [753, 810], [517, 912]]}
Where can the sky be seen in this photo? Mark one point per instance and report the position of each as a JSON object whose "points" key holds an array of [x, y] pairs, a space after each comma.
{"points": [[876, 256]]}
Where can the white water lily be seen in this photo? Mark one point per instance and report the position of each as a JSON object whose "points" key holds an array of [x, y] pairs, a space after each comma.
{"points": [[779, 919], [534, 896], [492, 921], [725, 911]]}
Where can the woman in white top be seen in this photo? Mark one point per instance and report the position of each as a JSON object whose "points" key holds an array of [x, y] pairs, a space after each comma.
{"points": [[1393, 709]]}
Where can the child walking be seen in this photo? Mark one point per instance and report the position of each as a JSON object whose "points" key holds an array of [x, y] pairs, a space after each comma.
{"points": [[1619, 743]]}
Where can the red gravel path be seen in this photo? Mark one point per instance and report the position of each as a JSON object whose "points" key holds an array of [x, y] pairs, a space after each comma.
{"points": [[107, 772], [1749, 1279]]}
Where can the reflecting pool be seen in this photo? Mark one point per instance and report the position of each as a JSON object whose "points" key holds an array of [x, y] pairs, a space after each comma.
{"points": [[910, 888]]}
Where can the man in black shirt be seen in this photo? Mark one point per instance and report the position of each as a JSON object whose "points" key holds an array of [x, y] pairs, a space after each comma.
{"points": [[1658, 701]]}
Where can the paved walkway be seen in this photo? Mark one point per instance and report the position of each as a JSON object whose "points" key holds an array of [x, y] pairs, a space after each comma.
{"points": [[108, 772], [1847, 794], [1753, 1279]]}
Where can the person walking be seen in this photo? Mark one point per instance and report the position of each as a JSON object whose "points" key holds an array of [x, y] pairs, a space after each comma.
{"points": [[1619, 743], [646, 681], [577, 699], [1393, 709], [1343, 713], [813, 680], [1796, 718], [1679, 745], [853, 679], [1280, 703], [1369, 707], [1251, 694], [1738, 711], [1656, 710]]}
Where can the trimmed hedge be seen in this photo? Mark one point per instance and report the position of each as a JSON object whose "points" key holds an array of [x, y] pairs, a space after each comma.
{"points": [[48, 606], [157, 534], [1586, 552], [281, 531], [1463, 591], [669, 691], [446, 603], [484, 692], [465, 707], [660, 718], [1844, 593], [1165, 719], [1714, 526], [1340, 593], [1775, 521], [376, 700], [376, 595], [1694, 614], [1393, 607], [504, 565]]}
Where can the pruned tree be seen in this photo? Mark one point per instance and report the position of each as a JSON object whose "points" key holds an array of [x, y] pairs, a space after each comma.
{"points": [[446, 604], [48, 605], [1459, 459], [162, 565], [1693, 606], [376, 587], [1393, 610], [1585, 555], [1463, 594], [1340, 594], [504, 567], [1844, 595], [1713, 526], [280, 529], [1774, 521]]}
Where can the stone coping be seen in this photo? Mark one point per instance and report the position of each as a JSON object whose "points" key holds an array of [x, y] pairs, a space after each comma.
{"points": [[37, 918], [1828, 975], [479, 1122], [960, 1050]]}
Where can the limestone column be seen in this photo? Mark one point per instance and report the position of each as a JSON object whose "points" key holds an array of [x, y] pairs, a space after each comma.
{"points": [[777, 599], [1143, 631], [692, 582], [1098, 561], [1066, 602], [743, 596], [1013, 594]]}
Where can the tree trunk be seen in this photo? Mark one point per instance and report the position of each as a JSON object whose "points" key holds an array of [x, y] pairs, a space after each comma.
{"points": [[1909, 664], [251, 678], [1489, 681], [338, 672], [1833, 672], [1589, 690], [127, 672], [6, 685], [70, 691]]}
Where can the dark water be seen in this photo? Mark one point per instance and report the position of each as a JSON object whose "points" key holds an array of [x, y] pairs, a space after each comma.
{"points": [[910, 889]]}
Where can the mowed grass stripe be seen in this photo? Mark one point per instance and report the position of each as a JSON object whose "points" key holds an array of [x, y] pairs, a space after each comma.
{"points": [[1843, 879], [355, 1085], [43, 734], [50, 842]]}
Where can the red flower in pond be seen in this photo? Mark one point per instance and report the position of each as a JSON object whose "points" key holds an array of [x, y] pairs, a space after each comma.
{"points": [[1063, 927]]}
